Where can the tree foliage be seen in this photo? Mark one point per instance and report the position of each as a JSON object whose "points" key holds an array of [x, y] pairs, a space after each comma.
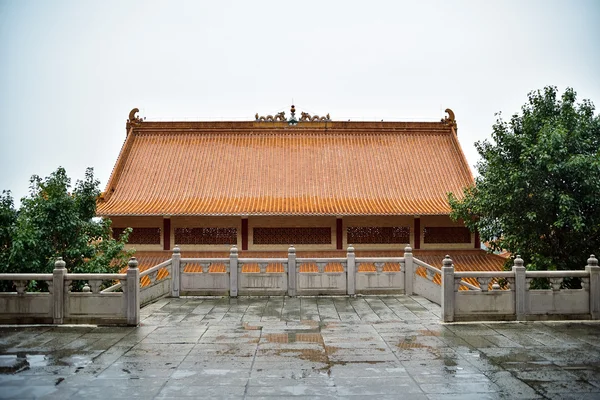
{"points": [[52, 222], [538, 193]]}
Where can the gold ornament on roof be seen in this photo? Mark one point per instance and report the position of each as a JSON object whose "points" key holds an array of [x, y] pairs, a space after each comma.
{"points": [[450, 120]]}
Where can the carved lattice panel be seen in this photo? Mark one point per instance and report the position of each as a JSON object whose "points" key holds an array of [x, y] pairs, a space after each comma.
{"points": [[378, 234], [205, 235], [140, 235], [446, 235], [292, 236]]}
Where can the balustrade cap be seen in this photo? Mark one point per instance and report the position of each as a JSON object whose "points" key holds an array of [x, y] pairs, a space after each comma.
{"points": [[447, 261], [133, 263], [408, 249], [60, 263], [518, 261], [292, 249], [592, 261], [176, 250], [350, 248], [234, 250]]}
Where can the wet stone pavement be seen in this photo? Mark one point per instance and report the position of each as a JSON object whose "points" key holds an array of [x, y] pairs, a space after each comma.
{"points": [[328, 347]]}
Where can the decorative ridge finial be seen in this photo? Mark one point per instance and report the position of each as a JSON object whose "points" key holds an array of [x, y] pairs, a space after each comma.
{"points": [[134, 120], [270, 118], [306, 117], [293, 120], [450, 120]]}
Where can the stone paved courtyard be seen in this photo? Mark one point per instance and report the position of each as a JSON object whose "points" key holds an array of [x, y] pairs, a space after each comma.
{"points": [[328, 347]]}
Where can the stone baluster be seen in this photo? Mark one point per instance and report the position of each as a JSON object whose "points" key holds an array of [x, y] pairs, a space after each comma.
{"points": [[233, 272], [429, 274], [20, 286], [409, 271], [521, 287], [58, 287], [292, 271], [175, 271], [95, 286], [447, 290], [321, 267], [594, 286], [133, 292], [484, 283], [351, 271], [556, 283], [205, 267]]}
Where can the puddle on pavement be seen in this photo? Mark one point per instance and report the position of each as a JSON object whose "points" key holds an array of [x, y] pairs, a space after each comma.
{"points": [[294, 336], [15, 363]]}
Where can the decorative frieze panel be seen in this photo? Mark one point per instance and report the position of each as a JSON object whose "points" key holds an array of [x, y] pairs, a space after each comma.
{"points": [[140, 235], [446, 235], [206, 235], [292, 236], [378, 234]]}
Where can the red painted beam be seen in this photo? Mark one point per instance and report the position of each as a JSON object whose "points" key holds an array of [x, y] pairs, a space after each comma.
{"points": [[339, 234], [417, 233], [167, 234], [244, 233]]}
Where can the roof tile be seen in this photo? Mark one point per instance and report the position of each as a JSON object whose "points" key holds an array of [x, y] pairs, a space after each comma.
{"points": [[332, 169]]}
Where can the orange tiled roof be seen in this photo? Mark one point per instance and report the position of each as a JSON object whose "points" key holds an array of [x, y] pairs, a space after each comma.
{"points": [[464, 260], [270, 168]]}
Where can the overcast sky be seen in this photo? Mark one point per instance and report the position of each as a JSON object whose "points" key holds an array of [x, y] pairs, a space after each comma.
{"points": [[70, 71]]}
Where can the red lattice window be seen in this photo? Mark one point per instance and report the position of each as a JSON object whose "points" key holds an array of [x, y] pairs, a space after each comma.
{"points": [[140, 235], [446, 235], [378, 234], [292, 236], [205, 235]]}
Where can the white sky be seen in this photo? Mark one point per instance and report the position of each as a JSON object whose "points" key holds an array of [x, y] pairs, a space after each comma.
{"points": [[70, 71]]}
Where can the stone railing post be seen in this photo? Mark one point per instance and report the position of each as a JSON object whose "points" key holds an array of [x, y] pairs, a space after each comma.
{"points": [[447, 290], [409, 271], [175, 271], [292, 271], [233, 272], [351, 271], [520, 289], [58, 289], [594, 270], [133, 292]]}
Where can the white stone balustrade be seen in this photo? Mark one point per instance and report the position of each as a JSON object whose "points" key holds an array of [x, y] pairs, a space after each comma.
{"points": [[60, 305], [518, 300]]}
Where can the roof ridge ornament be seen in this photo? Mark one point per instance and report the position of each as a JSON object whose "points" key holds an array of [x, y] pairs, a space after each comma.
{"points": [[450, 120], [270, 118], [306, 117], [134, 120]]}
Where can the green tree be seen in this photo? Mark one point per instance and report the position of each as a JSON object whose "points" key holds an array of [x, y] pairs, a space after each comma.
{"points": [[52, 222], [538, 189]]}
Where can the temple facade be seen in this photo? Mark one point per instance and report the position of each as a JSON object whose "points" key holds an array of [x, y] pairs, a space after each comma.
{"points": [[272, 182]]}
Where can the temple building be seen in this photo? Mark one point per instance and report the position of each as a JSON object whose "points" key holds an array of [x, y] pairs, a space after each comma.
{"points": [[276, 181]]}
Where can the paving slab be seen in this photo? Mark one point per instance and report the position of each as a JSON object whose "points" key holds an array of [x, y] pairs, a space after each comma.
{"points": [[306, 348]]}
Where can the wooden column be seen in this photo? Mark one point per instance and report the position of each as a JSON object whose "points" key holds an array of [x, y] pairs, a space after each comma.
{"points": [[166, 234], [477, 240], [244, 233], [417, 233], [339, 234]]}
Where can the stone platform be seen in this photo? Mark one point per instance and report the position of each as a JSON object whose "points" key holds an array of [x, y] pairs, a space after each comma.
{"points": [[327, 348]]}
